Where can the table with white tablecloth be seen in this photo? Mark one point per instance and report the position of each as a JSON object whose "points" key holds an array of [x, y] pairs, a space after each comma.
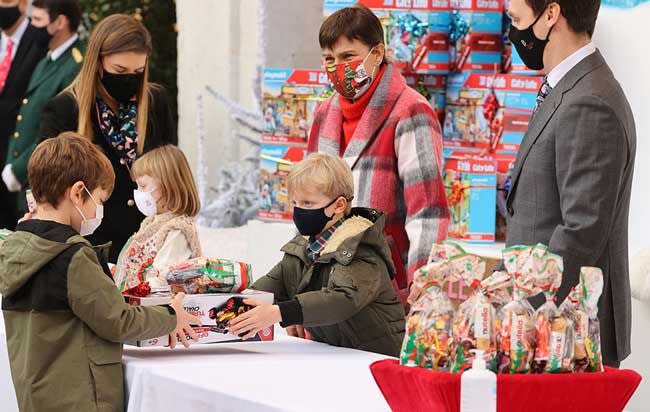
{"points": [[288, 374]]}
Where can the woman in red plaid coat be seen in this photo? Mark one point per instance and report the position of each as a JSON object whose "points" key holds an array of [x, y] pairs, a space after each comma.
{"points": [[388, 134]]}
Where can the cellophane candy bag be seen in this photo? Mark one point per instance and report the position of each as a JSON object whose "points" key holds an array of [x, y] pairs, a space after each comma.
{"points": [[582, 307], [474, 324], [516, 320], [439, 252], [205, 275], [553, 330], [428, 326]]}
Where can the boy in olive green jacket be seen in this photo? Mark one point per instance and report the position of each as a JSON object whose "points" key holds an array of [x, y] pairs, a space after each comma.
{"points": [[335, 278], [65, 319]]}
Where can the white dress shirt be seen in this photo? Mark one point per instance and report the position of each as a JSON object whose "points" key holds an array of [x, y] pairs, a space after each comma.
{"points": [[569, 63], [56, 53], [16, 37]]}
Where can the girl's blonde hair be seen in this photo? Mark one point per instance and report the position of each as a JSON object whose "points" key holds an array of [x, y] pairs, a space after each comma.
{"points": [[326, 174], [169, 166], [118, 33]]}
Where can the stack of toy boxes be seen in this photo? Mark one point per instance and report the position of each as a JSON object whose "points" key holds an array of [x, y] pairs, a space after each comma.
{"points": [[290, 98]]}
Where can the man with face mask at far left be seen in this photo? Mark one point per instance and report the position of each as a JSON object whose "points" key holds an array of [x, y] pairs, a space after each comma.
{"points": [[20, 51], [56, 22]]}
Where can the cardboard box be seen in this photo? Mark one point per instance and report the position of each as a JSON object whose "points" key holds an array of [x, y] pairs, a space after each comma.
{"points": [[215, 311], [276, 162], [469, 96], [416, 31], [505, 165], [290, 98], [433, 87], [470, 184], [476, 38]]}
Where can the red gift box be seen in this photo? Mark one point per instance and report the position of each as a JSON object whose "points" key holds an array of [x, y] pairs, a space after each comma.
{"points": [[413, 389]]}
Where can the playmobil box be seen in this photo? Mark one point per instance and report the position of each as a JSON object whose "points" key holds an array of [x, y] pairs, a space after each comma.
{"points": [[290, 98], [488, 112], [470, 184], [276, 162], [416, 31], [475, 42], [433, 87], [505, 165], [215, 312]]}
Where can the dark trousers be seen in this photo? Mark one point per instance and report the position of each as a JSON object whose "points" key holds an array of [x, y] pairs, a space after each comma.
{"points": [[8, 218]]}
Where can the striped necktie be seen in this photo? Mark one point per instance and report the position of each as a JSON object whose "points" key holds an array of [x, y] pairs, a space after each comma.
{"points": [[543, 93]]}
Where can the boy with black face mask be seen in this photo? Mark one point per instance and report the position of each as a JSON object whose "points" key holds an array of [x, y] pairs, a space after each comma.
{"points": [[335, 277], [57, 22], [20, 51]]}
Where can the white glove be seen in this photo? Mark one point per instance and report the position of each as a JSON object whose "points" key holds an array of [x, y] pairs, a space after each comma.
{"points": [[13, 185]]}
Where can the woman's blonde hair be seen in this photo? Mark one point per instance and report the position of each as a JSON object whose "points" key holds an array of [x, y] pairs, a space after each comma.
{"points": [[325, 174], [169, 166], [118, 33]]}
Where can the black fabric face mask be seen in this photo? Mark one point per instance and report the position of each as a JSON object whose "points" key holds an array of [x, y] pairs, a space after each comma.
{"points": [[529, 47], [310, 222], [8, 16], [43, 37], [122, 87]]}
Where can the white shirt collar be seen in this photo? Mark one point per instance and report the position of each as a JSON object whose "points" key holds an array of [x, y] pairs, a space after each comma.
{"points": [[569, 63], [16, 37], [56, 53]]}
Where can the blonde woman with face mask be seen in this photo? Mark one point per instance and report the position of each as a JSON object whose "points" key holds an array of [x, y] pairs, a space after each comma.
{"points": [[113, 104]]}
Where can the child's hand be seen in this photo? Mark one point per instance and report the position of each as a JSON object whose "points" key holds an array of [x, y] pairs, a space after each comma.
{"points": [[26, 216], [184, 320], [297, 331], [256, 319]]}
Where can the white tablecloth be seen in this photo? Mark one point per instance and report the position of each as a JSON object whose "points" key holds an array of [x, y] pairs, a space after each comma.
{"points": [[288, 374]]}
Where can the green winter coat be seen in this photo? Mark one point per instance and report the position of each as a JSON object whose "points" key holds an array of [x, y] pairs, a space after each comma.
{"points": [[346, 298], [66, 321]]}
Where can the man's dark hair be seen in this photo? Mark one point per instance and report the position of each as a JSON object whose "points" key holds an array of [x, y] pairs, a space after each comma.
{"points": [[356, 22], [580, 14], [69, 8]]}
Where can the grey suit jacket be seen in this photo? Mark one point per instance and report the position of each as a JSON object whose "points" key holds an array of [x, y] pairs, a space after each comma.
{"points": [[571, 188]]}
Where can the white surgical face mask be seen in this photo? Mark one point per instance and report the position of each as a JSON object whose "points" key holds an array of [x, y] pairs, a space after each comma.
{"points": [[88, 226], [145, 202]]}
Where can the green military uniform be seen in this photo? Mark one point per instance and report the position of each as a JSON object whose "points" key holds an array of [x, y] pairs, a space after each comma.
{"points": [[48, 80]]}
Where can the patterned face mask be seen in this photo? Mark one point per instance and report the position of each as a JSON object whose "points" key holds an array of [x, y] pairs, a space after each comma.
{"points": [[350, 79]]}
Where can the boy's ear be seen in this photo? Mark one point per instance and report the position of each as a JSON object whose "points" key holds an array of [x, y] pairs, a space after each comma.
{"points": [[76, 193], [341, 205]]}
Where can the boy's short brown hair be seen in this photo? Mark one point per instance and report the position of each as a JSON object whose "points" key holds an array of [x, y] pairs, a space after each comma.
{"points": [[325, 174], [169, 166], [357, 22], [58, 163]]}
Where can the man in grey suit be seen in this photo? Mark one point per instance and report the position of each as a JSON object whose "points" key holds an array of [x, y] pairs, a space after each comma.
{"points": [[572, 179]]}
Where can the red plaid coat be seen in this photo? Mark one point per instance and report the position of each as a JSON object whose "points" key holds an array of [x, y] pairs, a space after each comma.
{"points": [[396, 159]]}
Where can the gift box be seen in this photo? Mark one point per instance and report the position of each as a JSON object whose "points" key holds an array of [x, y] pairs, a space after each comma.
{"points": [[505, 165], [276, 162], [470, 184], [215, 312], [290, 98], [416, 31], [488, 112], [433, 87], [475, 40], [206, 275]]}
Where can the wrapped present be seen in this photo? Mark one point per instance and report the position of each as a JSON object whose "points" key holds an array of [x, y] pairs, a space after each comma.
{"points": [[553, 329], [516, 319], [581, 306], [290, 98], [470, 184], [475, 40], [417, 31], [276, 161], [488, 112], [474, 325], [204, 275]]}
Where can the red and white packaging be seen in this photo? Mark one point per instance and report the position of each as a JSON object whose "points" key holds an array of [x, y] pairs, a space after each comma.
{"points": [[215, 312]]}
